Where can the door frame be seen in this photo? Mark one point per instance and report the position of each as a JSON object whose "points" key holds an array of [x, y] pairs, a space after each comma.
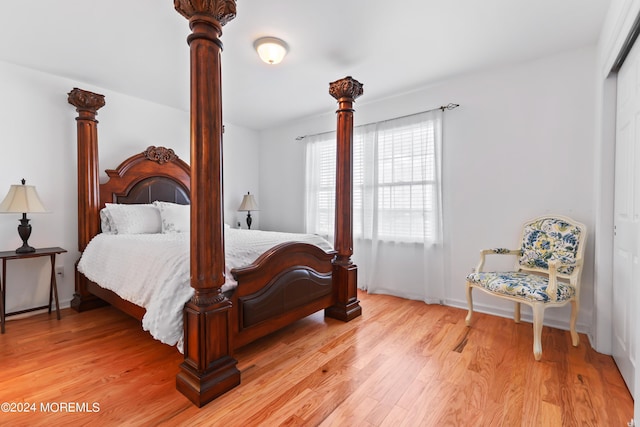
{"points": [[606, 88]]}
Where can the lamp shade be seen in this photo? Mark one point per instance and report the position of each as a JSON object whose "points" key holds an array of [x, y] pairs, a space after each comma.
{"points": [[248, 203], [22, 199], [270, 49]]}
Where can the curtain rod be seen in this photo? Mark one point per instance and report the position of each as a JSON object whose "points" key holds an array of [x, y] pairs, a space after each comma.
{"points": [[449, 106]]}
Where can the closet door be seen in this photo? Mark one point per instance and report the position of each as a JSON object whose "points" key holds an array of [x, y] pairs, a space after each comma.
{"points": [[626, 217]]}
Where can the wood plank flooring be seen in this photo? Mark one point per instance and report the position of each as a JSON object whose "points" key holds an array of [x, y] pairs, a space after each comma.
{"points": [[403, 363]]}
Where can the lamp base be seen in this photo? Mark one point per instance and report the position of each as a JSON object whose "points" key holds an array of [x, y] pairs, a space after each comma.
{"points": [[249, 220], [25, 249], [24, 230]]}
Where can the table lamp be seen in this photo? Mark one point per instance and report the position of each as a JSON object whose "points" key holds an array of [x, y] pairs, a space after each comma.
{"points": [[23, 199], [248, 204]]}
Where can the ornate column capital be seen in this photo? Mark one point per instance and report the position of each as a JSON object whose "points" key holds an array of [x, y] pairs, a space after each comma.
{"points": [[345, 88], [222, 10], [86, 101]]}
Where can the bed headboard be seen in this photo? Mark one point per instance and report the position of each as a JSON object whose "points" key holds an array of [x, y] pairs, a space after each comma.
{"points": [[155, 174]]}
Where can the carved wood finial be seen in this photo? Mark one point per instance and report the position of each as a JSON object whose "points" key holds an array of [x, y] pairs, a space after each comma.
{"points": [[222, 10], [84, 100], [160, 155], [345, 88]]}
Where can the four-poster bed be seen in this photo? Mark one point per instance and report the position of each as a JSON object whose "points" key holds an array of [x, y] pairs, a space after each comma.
{"points": [[265, 298]]}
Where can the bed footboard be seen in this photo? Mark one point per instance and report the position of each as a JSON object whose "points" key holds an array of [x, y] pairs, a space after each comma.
{"points": [[292, 289], [287, 283]]}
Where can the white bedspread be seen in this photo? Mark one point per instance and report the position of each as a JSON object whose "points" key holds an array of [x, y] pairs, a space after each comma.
{"points": [[152, 270]]}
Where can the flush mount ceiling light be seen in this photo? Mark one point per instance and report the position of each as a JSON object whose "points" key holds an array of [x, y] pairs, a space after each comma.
{"points": [[270, 49]]}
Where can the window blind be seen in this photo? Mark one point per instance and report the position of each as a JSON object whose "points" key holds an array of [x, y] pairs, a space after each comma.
{"points": [[395, 185]]}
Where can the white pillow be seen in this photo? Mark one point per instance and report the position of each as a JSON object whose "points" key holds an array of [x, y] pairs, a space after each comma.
{"points": [[133, 219], [105, 221], [175, 218]]}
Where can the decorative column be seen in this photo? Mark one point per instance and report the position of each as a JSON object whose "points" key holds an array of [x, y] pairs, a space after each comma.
{"points": [[345, 273], [208, 369], [87, 105]]}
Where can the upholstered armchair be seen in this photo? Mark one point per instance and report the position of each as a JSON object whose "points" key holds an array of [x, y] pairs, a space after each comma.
{"points": [[546, 274]]}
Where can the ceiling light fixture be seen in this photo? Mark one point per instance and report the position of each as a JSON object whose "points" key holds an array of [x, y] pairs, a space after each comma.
{"points": [[270, 49]]}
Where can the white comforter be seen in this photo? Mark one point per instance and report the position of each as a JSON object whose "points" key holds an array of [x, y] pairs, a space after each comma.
{"points": [[152, 270]]}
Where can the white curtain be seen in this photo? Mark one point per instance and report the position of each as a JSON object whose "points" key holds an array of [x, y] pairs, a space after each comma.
{"points": [[320, 184], [397, 203]]}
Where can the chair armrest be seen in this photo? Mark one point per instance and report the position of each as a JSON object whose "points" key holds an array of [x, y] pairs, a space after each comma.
{"points": [[552, 288], [495, 251]]}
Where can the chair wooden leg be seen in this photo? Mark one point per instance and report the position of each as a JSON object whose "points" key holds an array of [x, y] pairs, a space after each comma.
{"points": [[516, 313], [538, 318], [470, 302], [575, 339]]}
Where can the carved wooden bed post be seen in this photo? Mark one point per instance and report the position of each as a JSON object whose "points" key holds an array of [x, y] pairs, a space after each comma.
{"points": [[208, 369], [345, 273], [87, 104]]}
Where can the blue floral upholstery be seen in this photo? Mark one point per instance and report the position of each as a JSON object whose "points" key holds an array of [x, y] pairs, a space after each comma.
{"points": [[550, 239], [529, 286]]}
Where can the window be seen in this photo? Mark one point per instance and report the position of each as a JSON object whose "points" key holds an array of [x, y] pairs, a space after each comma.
{"points": [[320, 194], [395, 178]]}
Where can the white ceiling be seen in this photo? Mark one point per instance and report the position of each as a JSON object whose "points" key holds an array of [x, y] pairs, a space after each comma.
{"points": [[138, 47]]}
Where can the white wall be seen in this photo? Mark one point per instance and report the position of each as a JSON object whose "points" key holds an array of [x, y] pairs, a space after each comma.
{"points": [[38, 134], [241, 173], [282, 179], [520, 145]]}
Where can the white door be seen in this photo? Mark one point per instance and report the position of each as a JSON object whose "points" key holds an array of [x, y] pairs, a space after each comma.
{"points": [[626, 216]]}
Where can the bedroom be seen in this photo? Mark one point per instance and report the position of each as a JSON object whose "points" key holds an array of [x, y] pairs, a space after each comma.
{"points": [[553, 87]]}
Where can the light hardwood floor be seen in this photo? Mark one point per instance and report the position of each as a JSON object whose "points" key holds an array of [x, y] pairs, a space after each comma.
{"points": [[401, 363]]}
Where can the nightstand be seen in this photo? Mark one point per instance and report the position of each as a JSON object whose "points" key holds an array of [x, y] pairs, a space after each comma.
{"points": [[53, 287]]}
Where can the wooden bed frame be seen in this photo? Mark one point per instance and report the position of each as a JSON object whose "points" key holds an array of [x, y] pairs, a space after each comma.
{"points": [[266, 298]]}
